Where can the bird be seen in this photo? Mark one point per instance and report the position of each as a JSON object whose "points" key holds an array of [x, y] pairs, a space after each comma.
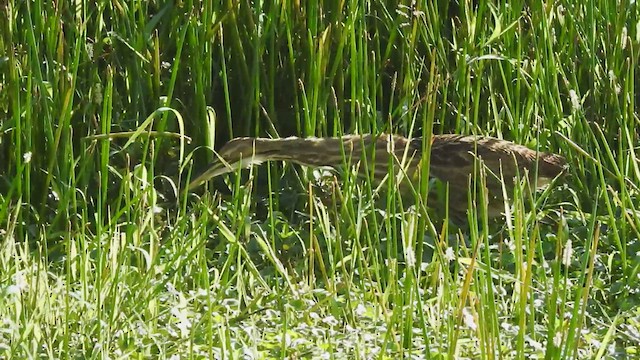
{"points": [[453, 160]]}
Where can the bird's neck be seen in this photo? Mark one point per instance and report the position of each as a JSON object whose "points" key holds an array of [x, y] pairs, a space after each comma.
{"points": [[311, 151]]}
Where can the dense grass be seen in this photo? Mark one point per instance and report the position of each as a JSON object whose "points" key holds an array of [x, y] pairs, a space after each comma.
{"points": [[106, 109]]}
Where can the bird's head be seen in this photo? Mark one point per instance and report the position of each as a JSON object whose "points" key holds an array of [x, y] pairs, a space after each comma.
{"points": [[236, 154]]}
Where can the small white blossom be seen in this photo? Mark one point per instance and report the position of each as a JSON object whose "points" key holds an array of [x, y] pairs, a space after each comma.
{"points": [[575, 100], [330, 320], [535, 344], [449, 255], [183, 323], [468, 319], [557, 339]]}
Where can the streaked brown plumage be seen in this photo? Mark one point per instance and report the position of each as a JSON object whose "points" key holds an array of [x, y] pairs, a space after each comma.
{"points": [[452, 159]]}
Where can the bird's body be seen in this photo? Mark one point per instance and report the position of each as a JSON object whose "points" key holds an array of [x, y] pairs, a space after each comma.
{"points": [[453, 159]]}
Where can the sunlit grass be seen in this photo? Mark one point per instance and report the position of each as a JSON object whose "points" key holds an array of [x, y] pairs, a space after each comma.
{"points": [[108, 108]]}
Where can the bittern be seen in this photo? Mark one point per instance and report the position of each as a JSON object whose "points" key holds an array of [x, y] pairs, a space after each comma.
{"points": [[453, 160]]}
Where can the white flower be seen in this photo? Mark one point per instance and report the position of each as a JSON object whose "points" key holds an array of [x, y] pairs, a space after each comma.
{"points": [[449, 255], [468, 319], [575, 100], [557, 339]]}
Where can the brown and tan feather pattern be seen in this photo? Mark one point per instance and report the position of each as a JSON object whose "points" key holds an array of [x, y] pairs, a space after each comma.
{"points": [[453, 159]]}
